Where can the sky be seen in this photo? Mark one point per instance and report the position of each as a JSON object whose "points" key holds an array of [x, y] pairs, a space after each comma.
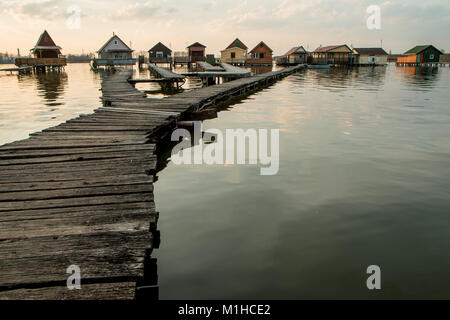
{"points": [[82, 26]]}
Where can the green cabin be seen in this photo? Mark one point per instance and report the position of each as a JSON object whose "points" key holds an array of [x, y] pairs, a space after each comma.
{"points": [[425, 53]]}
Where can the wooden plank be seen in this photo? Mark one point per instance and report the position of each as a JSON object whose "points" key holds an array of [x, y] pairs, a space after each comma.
{"points": [[74, 202], [82, 182], [74, 192], [96, 291], [99, 255]]}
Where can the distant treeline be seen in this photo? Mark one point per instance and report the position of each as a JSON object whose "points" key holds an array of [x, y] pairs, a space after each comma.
{"points": [[9, 59], [6, 58]]}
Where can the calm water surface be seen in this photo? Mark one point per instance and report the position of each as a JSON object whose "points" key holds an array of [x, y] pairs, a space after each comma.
{"points": [[364, 179], [31, 103]]}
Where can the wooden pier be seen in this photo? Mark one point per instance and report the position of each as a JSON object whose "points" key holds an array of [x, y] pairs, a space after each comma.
{"points": [[166, 75], [208, 67], [213, 74], [81, 193], [20, 70]]}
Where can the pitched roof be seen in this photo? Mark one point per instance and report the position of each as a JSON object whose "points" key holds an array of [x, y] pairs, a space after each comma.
{"points": [[45, 42], [237, 43], [371, 51], [110, 40], [159, 46], [298, 49], [261, 44], [419, 49], [196, 44], [328, 48]]}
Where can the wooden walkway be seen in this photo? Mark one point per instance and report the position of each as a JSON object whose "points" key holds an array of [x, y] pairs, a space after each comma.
{"points": [[232, 69], [226, 71], [81, 193], [18, 69], [165, 73], [208, 67]]}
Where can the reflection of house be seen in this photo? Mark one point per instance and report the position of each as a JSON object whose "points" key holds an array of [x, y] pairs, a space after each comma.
{"points": [[235, 53], [420, 54], [159, 53], [51, 87], [261, 54], [296, 55], [196, 52], [46, 54], [114, 52], [370, 56], [335, 55]]}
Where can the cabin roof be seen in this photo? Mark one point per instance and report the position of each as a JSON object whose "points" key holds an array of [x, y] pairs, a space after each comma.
{"points": [[261, 44], [160, 45], [298, 49], [371, 51], [110, 40], [328, 48], [196, 44], [46, 42], [241, 44], [419, 49]]}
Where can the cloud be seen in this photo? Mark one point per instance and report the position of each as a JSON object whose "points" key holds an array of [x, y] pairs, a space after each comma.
{"points": [[45, 10], [137, 10]]}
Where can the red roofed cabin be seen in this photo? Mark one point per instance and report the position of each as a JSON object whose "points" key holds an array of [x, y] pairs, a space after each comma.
{"points": [[46, 54], [260, 55], [196, 52], [334, 55]]}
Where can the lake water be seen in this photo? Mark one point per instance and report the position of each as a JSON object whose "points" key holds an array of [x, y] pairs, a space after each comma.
{"points": [[364, 179]]}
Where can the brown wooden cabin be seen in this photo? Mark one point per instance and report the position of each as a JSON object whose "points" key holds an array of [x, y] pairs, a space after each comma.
{"points": [[260, 55], [235, 53], [45, 53], [196, 52], [334, 55], [444, 58], [296, 55], [159, 54]]}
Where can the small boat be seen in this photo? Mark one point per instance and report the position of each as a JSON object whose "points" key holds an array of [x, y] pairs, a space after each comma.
{"points": [[318, 66], [94, 66]]}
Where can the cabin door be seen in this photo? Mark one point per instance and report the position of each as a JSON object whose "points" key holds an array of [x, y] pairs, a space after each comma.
{"points": [[418, 58]]}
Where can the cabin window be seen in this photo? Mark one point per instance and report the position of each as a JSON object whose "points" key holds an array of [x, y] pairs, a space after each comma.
{"points": [[159, 54], [261, 55], [237, 44], [431, 56], [233, 55], [116, 42]]}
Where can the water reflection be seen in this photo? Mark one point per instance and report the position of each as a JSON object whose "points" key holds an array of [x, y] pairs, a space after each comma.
{"points": [[33, 102], [421, 78], [362, 180], [50, 87]]}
